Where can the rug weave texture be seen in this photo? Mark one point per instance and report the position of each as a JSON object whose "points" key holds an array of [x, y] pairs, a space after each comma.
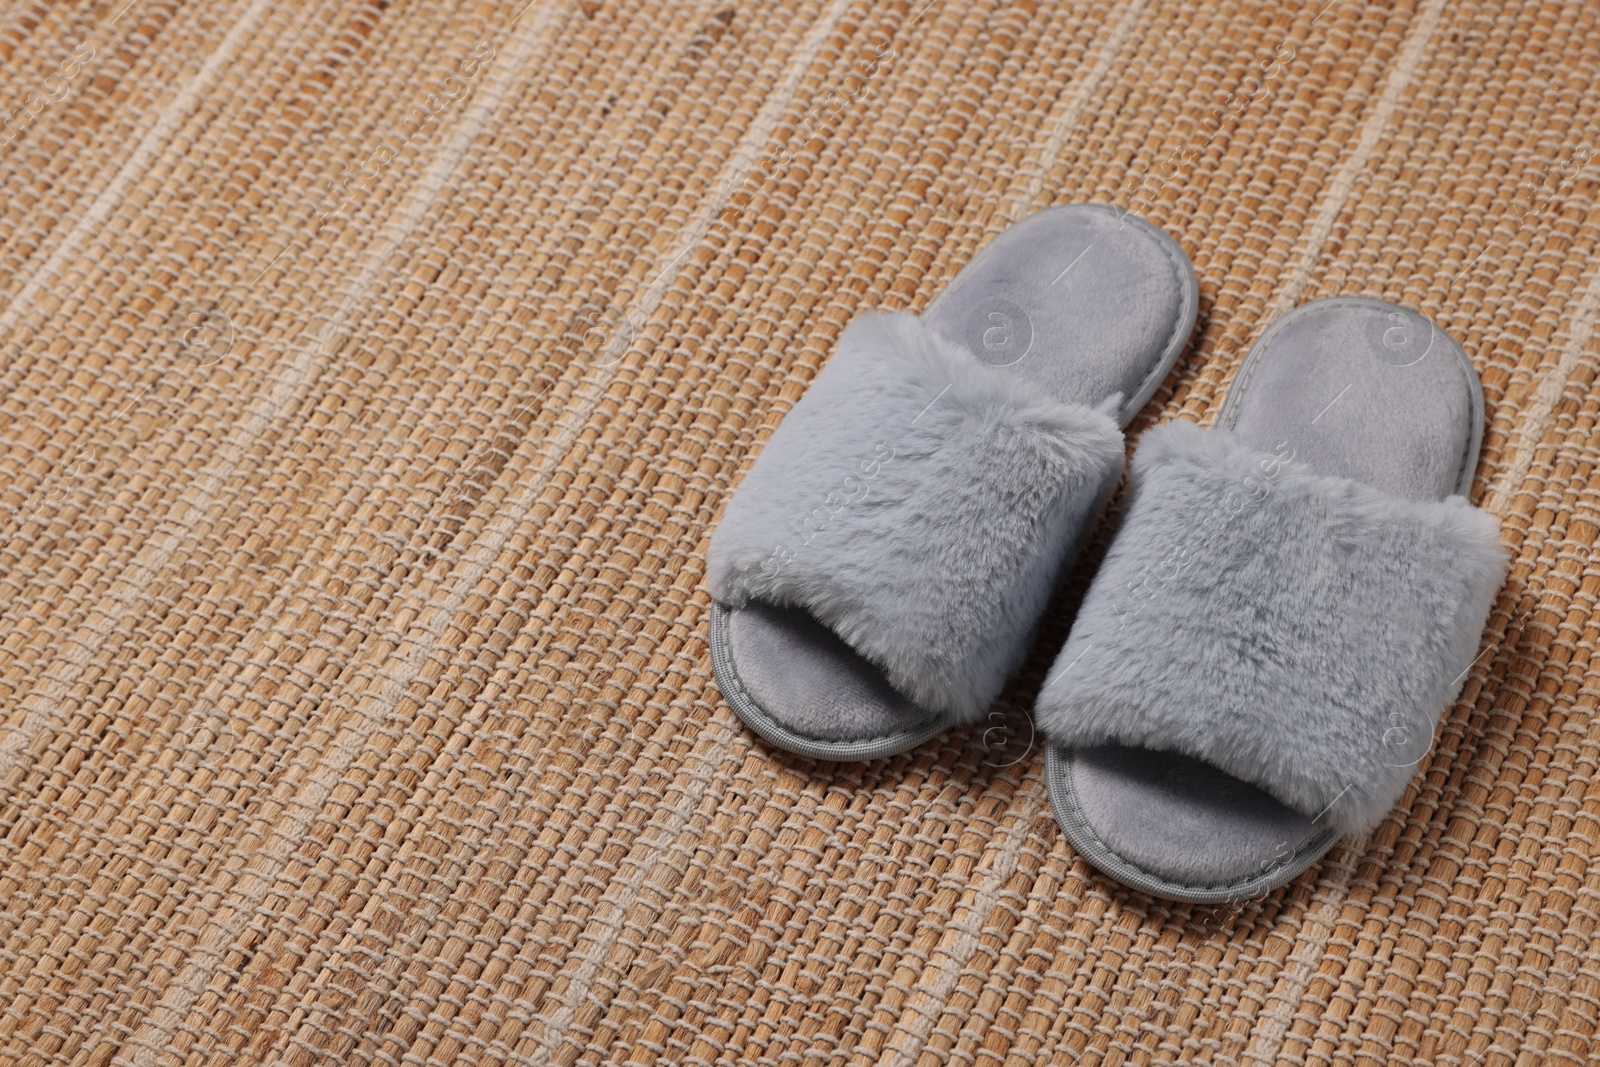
{"points": [[373, 373]]}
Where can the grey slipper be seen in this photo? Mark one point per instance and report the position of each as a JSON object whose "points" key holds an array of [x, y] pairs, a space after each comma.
{"points": [[1292, 601], [883, 565]]}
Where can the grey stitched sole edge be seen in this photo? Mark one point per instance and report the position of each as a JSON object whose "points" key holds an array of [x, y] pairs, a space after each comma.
{"points": [[722, 660], [1069, 816], [1058, 762], [771, 730]]}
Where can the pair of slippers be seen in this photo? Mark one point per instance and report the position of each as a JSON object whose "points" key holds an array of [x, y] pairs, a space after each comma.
{"points": [[1292, 600]]}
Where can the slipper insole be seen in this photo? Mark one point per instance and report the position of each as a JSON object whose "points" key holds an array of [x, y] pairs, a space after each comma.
{"points": [[1357, 388], [1082, 302]]}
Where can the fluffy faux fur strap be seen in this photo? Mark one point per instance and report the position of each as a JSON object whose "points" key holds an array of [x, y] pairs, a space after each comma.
{"points": [[1299, 631], [920, 504]]}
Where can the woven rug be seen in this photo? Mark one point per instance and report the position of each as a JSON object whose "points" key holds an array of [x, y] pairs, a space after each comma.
{"points": [[375, 371]]}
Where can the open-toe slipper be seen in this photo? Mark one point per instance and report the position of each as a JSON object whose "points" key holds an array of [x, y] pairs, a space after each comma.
{"points": [[1291, 602], [881, 569]]}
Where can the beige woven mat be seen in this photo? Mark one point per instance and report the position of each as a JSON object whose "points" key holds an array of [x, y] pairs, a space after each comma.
{"points": [[375, 371]]}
